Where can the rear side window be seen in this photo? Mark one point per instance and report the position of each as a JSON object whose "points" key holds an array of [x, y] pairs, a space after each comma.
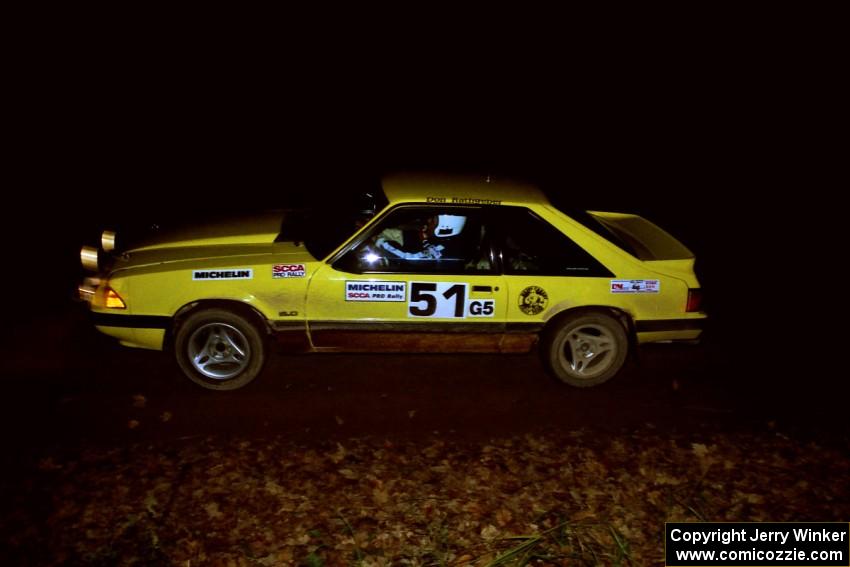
{"points": [[589, 221], [532, 246]]}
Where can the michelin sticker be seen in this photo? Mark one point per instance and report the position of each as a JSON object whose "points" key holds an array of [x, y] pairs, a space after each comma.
{"points": [[375, 291], [533, 300], [288, 271], [224, 274], [635, 286]]}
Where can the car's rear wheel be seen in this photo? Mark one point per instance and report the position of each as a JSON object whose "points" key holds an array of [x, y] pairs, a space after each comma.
{"points": [[586, 349], [219, 349]]}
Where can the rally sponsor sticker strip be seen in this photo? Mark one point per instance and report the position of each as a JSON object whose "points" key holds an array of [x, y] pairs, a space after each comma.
{"points": [[635, 286]]}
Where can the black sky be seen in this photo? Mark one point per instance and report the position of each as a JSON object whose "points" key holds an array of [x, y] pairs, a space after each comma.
{"points": [[718, 137]]}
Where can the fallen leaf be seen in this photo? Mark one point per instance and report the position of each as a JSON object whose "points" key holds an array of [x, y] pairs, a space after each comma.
{"points": [[338, 455], [133, 424], [583, 515], [212, 510], [503, 517], [150, 504], [490, 533], [339, 420], [165, 417], [755, 498], [381, 496], [348, 473], [700, 450], [139, 401]]}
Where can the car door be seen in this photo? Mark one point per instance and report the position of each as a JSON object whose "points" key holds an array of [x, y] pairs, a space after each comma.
{"points": [[423, 279]]}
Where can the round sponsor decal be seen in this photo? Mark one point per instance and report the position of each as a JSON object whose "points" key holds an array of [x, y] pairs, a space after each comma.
{"points": [[533, 300]]}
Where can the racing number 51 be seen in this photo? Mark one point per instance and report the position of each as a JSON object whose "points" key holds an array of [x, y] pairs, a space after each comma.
{"points": [[438, 299]]}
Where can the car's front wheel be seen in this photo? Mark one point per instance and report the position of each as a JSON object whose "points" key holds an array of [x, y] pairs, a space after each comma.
{"points": [[219, 349], [586, 349]]}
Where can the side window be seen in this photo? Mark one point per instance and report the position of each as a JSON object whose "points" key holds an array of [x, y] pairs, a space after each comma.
{"points": [[530, 245], [424, 240]]}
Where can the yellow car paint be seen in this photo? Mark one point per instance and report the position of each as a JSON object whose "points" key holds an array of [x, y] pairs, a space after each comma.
{"points": [[293, 292]]}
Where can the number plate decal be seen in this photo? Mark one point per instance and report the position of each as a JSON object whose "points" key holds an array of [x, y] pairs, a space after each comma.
{"points": [[446, 300], [443, 300]]}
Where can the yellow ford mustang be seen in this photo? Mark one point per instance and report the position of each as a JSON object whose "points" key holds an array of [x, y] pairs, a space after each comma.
{"points": [[439, 264]]}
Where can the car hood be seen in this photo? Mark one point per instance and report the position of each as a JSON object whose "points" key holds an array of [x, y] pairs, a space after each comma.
{"points": [[290, 252], [259, 228]]}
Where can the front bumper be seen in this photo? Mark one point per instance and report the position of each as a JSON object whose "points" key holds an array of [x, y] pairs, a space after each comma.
{"points": [[669, 330]]}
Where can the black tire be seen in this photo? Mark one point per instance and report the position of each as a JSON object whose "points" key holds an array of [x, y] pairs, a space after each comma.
{"points": [[586, 349], [219, 349]]}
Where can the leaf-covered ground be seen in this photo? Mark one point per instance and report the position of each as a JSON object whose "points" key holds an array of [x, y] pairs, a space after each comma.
{"points": [[549, 499]]}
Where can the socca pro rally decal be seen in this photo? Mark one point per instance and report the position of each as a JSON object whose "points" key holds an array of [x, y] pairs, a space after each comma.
{"points": [[288, 271], [223, 274], [635, 286], [533, 300]]}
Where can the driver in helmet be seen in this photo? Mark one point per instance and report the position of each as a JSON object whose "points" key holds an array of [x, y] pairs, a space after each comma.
{"points": [[432, 235]]}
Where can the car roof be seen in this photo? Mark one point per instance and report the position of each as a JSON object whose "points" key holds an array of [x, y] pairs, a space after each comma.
{"points": [[460, 189]]}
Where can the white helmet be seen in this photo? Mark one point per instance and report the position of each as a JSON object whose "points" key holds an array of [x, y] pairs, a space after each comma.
{"points": [[449, 225]]}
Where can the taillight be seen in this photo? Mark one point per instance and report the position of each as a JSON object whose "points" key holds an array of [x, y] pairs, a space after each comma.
{"points": [[694, 300]]}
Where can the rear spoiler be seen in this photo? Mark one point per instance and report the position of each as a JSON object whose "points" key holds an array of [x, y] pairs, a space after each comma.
{"points": [[644, 239]]}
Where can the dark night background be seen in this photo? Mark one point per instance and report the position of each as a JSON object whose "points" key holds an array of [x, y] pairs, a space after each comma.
{"points": [[721, 138], [726, 129]]}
